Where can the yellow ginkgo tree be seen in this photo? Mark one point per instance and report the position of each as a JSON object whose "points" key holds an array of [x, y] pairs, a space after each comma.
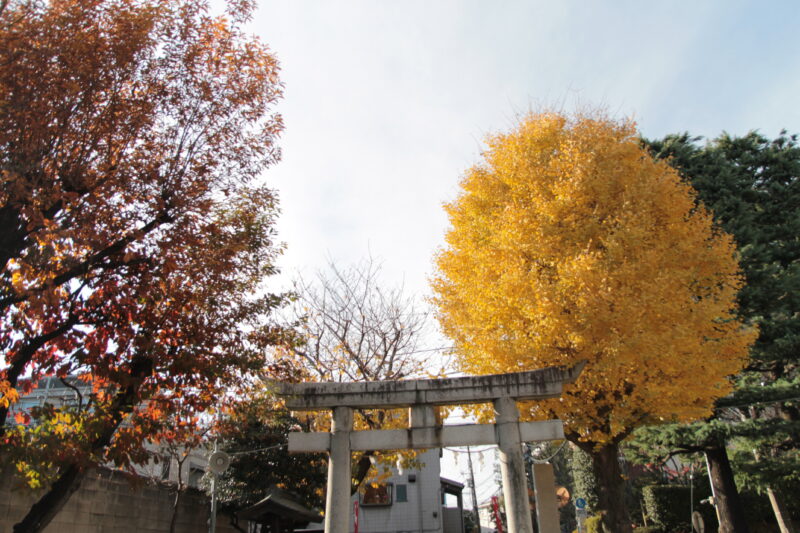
{"points": [[568, 242]]}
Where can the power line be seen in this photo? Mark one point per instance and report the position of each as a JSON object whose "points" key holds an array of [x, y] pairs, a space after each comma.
{"points": [[487, 481], [763, 402], [547, 460], [427, 350], [245, 452], [455, 450]]}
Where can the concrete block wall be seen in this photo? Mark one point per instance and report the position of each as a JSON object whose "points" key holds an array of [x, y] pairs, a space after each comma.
{"points": [[107, 502]]}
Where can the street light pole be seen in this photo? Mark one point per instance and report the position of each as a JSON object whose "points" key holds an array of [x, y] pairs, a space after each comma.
{"points": [[212, 521]]}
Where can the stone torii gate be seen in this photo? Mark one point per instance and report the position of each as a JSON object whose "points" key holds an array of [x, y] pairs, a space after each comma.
{"points": [[422, 397]]}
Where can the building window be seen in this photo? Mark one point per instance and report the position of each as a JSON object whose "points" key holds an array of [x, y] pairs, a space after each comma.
{"points": [[195, 475], [402, 493], [166, 463], [377, 494]]}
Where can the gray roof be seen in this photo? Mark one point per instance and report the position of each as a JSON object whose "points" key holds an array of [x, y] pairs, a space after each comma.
{"points": [[280, 503]]}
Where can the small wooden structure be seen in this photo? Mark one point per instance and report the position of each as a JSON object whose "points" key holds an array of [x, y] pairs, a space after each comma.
{"points": [[279, 512]]}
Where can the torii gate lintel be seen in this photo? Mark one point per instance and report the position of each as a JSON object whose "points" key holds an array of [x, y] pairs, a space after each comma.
{"points": [[421, 396]]}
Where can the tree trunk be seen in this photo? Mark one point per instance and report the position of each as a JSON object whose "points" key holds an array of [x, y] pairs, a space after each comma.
{"points": [[610, 490], [173, 521], [362, 469], [778, 508], [726, 497], [52, 502], [781, 514]]}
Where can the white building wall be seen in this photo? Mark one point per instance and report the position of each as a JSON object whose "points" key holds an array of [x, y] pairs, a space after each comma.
{"points": [[404, 517]]}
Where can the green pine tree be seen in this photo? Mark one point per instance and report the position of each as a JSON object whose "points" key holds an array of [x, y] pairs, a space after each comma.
{"points": [[752, 184], [256, 436]]}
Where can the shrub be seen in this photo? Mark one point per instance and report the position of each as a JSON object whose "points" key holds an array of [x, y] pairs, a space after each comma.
{"points": [[583, 477], [668, 507], [594, 524]]}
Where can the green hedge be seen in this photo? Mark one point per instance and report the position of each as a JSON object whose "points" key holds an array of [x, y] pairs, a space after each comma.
{"points": [[594, 525], [667, 506]]}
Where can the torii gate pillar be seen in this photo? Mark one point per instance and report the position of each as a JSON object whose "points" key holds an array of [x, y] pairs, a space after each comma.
{"points": [[337, 498], [512, 467]]}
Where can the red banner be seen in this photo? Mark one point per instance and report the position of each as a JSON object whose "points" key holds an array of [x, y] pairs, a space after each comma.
{"points": [[355, 516], [497, 520]]}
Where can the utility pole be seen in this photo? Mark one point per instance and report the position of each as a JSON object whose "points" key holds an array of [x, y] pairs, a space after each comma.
{"points": [[527, 454], [691, 495], [212, 520], [473, 489]]}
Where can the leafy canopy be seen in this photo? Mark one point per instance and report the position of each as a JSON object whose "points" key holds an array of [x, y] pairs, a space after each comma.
{"points": [[136, 230], [568, 243], [751, 184], [255, 432]]}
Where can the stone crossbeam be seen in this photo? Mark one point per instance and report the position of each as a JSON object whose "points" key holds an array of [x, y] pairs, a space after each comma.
{"points": [[421, 438], [422, 397], [532, 385]]}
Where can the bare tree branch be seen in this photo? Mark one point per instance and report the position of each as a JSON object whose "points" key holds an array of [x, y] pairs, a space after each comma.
{"points": [[354, 330]]}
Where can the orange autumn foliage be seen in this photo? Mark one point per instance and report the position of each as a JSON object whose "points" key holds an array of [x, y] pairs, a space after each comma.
{"points": [[569, 243], [137, 230]]}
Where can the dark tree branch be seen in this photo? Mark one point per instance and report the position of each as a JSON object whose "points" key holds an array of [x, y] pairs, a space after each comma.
{"points": [[94, 260], [25, 355]]}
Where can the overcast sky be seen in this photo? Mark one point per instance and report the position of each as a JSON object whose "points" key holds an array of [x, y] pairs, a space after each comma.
{"points": [[387, 102]]}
